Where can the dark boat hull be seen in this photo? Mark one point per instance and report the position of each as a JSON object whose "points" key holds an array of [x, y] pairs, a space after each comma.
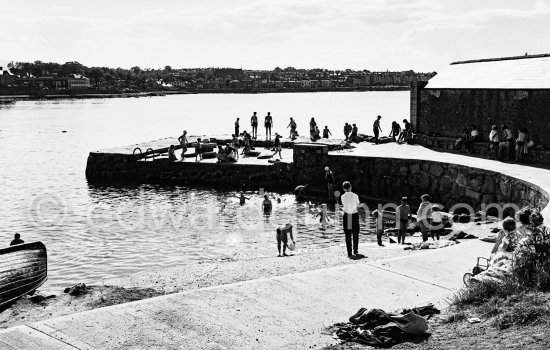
{"points": [[23, 268]]}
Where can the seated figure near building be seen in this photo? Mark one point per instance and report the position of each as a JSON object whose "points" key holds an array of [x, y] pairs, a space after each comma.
{"points": [[407, 132]]}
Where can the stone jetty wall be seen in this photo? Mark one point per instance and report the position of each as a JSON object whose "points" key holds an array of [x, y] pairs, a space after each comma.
{"points": [[448, 184], [387, 179], [104, 167]]}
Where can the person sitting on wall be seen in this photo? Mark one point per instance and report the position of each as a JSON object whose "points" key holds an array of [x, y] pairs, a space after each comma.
{"points": [[221, 155], [461, 141], [407, 132], [172, 154], [395, 130], [16, 240], [474, 137]]}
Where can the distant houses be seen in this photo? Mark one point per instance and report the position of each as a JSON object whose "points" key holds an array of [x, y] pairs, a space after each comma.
{"points": [[75, 76]]}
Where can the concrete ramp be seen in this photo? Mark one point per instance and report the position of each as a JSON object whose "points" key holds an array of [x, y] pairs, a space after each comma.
{"points": [[287, 312]]}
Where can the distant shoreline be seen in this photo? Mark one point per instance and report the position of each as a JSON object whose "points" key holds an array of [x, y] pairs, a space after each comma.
{"points": [[90, 95]]}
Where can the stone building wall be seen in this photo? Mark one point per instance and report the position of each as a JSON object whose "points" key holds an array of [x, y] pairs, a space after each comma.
{"points": [[449, 111]]}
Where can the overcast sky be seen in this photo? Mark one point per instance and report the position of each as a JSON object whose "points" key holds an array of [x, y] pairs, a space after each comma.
{"points": [[359, 34]]}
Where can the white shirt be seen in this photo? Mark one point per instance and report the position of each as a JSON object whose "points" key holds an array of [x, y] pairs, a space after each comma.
{"points": [[350, 201], [493, 136], [437, 216]]}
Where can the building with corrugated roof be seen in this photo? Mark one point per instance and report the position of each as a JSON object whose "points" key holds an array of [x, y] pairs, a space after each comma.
{"points": [[512, 90]]}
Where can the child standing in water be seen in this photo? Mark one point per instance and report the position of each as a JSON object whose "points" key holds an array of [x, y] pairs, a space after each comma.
{"points": [[283, 233], [323, 217]]}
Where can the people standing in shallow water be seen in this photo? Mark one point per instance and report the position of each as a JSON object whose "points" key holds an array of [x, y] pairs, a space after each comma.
{"points": [[283, 233], [243, 199], [312, 125], [350, 221], [323, 216], [16, 240], [326, 132], [266, 204], [395, 130], [268, 123], [329, 178], [254, 124], [183, 143]]}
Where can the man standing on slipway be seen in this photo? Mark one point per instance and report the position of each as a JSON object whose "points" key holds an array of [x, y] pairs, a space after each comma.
{"points": [[351, 204]]}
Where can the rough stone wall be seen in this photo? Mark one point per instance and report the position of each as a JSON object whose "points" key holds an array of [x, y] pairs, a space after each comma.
{"points": [[448, 111], [390, 179], [106, 167], [309, 163]]}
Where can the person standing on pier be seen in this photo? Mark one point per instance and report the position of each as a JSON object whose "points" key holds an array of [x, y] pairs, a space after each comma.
{"points": [[183, 143], [268, 123], [277, 145], [326, 132], [254, 124], [347, 130], [237, 127], [494, 137], [377, 129], [351, 204], [292, 126]]}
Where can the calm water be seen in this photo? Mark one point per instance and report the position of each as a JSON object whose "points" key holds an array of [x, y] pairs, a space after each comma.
{"points": [[95, 232]]}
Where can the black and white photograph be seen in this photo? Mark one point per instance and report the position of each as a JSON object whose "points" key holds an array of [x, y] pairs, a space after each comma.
{"points": [[263, 175]]}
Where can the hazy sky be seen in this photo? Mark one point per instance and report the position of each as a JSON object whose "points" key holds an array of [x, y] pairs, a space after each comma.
{"points": [[360, 34]]}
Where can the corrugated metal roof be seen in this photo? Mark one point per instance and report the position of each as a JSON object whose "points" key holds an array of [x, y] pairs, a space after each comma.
{"points": [[524, 72]]}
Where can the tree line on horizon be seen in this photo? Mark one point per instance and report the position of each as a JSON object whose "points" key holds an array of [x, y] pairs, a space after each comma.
{"points": [[147, 77]]}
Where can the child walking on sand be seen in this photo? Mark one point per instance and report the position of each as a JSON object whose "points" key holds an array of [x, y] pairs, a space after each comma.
{"points": [[379, 226]]}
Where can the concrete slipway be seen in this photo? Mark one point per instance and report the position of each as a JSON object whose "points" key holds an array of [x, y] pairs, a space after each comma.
{"points": [[286, 312]]}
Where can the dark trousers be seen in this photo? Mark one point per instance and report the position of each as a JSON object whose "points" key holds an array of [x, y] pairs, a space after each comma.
{"points": [[236, 131], [403, 225], [376, 134], [511, 149], [351, 228]]}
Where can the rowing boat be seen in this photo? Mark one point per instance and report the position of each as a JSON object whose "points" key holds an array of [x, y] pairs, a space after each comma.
{"points": [[23, 268]]}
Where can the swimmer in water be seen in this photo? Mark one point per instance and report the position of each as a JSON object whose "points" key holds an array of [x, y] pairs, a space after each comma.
{"points": [[242, 198], [266, 204], [323, 218], [279, 200]]}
